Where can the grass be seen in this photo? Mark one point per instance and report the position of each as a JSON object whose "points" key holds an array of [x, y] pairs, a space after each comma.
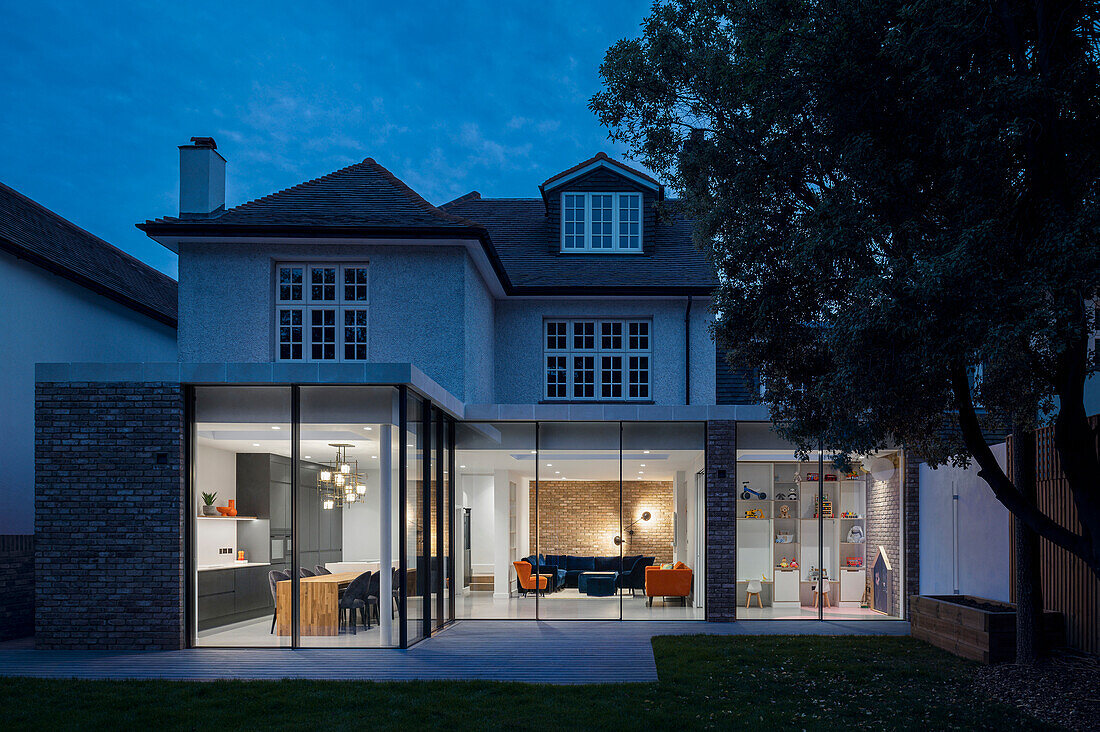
{"points": [[709, 682]]}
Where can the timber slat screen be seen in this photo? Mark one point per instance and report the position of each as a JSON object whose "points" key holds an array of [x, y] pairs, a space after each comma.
{"points": [[1068, 586]]}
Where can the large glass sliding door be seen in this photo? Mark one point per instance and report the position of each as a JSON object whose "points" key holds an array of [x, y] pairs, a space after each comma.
{"points": [[565, 520], [336, 521]]}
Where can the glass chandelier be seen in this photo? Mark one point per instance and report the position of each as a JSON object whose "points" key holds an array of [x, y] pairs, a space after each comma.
{"points": [[340, 483]]}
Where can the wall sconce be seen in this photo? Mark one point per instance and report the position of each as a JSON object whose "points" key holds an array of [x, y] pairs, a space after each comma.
{"points": [[646, 516]]}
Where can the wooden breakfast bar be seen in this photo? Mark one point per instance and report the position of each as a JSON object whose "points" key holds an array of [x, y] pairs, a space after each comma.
{"points": [[319, 609]]}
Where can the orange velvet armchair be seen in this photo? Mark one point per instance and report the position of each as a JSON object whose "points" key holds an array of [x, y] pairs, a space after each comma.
{"points": [[527, 582], [675, 582]]}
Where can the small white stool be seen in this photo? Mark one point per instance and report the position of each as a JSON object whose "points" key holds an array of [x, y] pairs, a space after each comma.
{"points": [[824, 584], [753, 589]]}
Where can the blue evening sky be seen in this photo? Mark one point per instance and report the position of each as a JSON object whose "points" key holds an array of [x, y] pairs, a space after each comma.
{"points": [[451, 97]]}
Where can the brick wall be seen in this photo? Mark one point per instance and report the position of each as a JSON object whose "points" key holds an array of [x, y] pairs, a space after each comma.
{"points": [[912, 524], [884, 527], [582, 517], [17, 579], [109, 516], [721, 569]]}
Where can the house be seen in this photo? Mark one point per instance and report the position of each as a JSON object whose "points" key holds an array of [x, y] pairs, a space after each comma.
{"points": [[67, 296], [387, 415]]}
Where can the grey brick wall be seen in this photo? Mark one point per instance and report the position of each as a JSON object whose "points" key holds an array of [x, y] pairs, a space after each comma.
{"points": [[721, 569], [17, 581], [884, 527], [109, 554], [911, 496]]}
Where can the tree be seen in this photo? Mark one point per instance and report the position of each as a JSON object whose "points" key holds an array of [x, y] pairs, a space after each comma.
{"points": [[901, 201]]}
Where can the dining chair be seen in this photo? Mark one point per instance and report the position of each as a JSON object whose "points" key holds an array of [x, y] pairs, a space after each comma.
{"points": [[354, 600], [273, 577], [303, 572], [373, 593], [321, 570]]}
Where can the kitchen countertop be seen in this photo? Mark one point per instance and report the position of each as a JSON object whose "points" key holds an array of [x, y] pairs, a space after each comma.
{"points": [[233, 565]]}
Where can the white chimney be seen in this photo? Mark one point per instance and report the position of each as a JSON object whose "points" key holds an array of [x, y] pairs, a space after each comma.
{"points": [[202, 178]]}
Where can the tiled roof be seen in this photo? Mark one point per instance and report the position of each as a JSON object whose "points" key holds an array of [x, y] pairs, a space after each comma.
{"points": [[551, 182], [33, 232], [521, 236], [362, 195]]}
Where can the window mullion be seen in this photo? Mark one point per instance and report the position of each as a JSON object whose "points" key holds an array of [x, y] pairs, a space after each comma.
{"points": [[615, 241], [588, 221]]}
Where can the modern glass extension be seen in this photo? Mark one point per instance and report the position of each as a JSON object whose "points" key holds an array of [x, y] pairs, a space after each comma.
{"points": [[319, 516]]}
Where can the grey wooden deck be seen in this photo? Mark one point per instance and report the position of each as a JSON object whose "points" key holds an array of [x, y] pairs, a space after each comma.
{"points": [[529, 651]]}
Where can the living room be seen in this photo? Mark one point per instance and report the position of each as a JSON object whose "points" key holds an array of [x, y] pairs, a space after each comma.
{"points": [[598, 521]]}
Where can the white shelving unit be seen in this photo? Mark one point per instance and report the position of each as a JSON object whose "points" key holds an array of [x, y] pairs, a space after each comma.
{"points": [[759, 553]]}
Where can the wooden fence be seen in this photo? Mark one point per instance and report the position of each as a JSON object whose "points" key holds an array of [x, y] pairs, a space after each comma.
{"points": [[1068, 586]]}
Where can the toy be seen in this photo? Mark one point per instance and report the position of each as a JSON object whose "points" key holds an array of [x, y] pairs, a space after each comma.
{"points": [[794, 564], [783, 562], [826, 508], [851, 475], [782, 537], [780, 497], [747, 492], [754, 513], [812, 476], [855, 561], [848, 514], [855, 535], [830, 476], [784, 511]]}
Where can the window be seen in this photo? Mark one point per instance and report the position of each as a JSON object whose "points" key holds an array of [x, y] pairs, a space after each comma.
{"points": [[614, 222], [593, 359], [321, 312]]}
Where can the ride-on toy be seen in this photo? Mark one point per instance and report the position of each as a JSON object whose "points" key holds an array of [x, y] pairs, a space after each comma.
{"points": [[747, 493]]}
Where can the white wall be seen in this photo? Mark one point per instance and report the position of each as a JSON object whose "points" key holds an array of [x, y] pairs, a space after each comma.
{"points": [[45, 318], [479, 492], [968, 551]]}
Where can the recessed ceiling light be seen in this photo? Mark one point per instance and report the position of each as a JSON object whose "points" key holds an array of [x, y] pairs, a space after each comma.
{"points": [[645, 451], [276, 427], [255, 444], [373, 457], [368, 429], [549, 465], [462, 466], [641, 472], [643, 465], [534, 451], [557, 472], [307, 457]]}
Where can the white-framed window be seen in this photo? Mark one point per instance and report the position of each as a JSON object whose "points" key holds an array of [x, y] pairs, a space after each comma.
{"points": [[321, 311], [596, 359], [601, 222]]}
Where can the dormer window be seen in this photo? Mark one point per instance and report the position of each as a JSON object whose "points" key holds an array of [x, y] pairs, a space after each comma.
{"points": [[601, 222]]}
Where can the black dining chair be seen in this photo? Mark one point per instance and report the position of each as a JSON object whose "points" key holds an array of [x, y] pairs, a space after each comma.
{"points": [[273, 577], [355, 600], [396, 584], [303, 572], [321, 570], [373, 593]]}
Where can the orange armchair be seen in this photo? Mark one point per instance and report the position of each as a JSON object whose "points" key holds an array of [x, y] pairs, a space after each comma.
{"points": [[675, 582], [527, 582]]}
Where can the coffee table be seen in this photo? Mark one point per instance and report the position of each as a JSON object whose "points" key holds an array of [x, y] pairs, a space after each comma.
{"points": [[597, 584]]}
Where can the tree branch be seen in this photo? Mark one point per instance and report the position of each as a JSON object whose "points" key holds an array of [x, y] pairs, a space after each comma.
{"points": [[1003, 488]]}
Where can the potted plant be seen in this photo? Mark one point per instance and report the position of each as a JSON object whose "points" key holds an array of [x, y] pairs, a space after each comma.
{"points": [[208, 504]]}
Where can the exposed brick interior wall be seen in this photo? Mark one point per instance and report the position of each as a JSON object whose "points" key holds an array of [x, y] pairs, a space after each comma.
{"points": [[17, 581], [582, 517], [109, 516], [912, 526], [721, 569], [884, 527]]}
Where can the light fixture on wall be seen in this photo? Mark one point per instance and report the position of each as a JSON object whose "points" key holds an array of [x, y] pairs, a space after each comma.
{"points": [[339, 482], [646, 516]]}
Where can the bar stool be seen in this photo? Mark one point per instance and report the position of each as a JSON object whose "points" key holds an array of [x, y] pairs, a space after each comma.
{"points": [[753, 589]]}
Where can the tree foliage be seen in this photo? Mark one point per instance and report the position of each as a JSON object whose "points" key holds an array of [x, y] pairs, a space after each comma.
{"points": [[894, 194]]}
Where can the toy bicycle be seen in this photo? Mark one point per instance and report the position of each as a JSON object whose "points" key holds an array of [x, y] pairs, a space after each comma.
{"points": [[747, 493]]}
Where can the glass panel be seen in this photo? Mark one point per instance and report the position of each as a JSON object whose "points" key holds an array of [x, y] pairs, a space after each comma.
{"points": [[242, 452], [822, 549], [449, 518], [348, 517], [577, 525], [416, 571], [664, 532], [436, 551], [495, 463], [602, 212]]}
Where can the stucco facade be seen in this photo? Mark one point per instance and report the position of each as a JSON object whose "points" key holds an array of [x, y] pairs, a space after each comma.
{"points": [[47, 318]]}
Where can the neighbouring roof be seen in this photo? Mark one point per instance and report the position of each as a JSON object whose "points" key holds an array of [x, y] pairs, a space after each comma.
{"points": [[601, 159], [521, 234], [34, 233], [365, 199]]}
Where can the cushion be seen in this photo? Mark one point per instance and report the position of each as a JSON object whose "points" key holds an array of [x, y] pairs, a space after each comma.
{"points": [[679, 565], [584, 564], [607, 564], [668, 565]]}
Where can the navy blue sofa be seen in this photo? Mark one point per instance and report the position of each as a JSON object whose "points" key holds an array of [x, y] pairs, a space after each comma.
{"points": [[567, 568]]}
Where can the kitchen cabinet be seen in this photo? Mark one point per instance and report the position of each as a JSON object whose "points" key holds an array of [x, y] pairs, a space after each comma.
{"points": [[232, 594]]}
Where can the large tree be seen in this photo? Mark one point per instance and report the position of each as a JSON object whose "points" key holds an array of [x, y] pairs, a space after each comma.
{"points": [[901, 200]]}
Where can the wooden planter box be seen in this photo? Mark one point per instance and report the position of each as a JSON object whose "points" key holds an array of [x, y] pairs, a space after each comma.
{"points": [[987, 634]]}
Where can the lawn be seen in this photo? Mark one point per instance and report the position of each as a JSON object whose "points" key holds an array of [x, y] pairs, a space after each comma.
{"points": [[718, 682]]}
